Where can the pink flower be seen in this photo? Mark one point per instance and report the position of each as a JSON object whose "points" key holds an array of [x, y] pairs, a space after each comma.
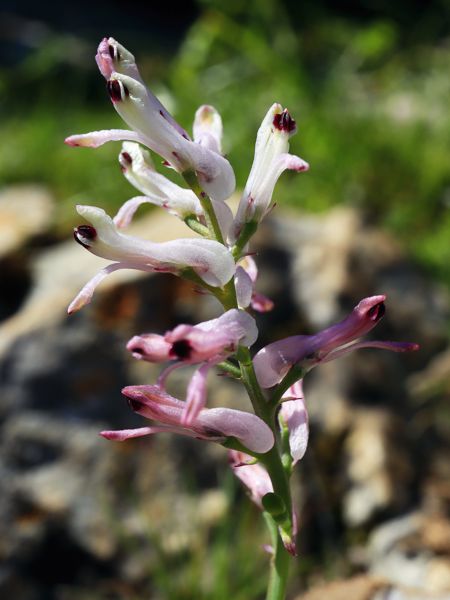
{"points": [[153, 126], [208, 341], [274, 361], [214, 424], [256, 479], [207, 258], [252, 474]]}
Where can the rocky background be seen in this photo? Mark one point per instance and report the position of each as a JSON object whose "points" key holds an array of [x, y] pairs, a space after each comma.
{"points": [[83, 518]]}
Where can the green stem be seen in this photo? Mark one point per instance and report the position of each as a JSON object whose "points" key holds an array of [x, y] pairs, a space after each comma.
{"points": [[247, 231], [272, 460], [292, 376], [279, 567], [210, 216]]}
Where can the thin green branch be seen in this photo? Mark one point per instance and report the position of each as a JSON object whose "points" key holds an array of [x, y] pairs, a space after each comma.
{"points": [[210, 216], [229, 367], [279, 566], [193, 223]]}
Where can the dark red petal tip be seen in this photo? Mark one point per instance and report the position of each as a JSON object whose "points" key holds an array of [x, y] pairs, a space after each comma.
{"points": [[284, 122], [181, 349], [117, 90], [113, 52], [377, 311], [126, 158], [135, 405], [84, 234]]}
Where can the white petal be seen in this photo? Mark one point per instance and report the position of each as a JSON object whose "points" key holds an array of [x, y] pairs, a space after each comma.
{"points": [[210, 260], [294, 414], [140, 172], [208, 128], [94, 139]]}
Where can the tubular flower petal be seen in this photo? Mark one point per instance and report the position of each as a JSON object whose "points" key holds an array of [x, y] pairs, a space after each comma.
{"points": [[209, 259], [253, 475], [208, 128], [211, 339], [271, 159], [195, 395], [94, 139], [244, 287], [275, 360], [294, 416], [138, 168], [150, 346], [215, 424], [208, 341]]}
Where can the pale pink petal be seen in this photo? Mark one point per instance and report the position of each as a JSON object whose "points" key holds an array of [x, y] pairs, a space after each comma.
{"points": [[150, 347], [258, 301], [94, 139], [138, 168], [249, 429], [252, 474], [85, 295], [294, 414], [261, 303], [244, 287], [392, 346], [212, 339], [126, 212], [195, 396]]}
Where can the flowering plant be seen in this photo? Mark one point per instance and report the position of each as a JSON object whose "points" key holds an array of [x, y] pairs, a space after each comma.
{"points": [[264, 446]]}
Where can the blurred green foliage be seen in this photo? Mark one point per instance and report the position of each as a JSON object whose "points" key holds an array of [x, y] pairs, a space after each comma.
{"points": [[372, 112]]}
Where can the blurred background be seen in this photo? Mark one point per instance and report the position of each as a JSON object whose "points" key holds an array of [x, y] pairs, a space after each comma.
{"points": [[368, 84]]}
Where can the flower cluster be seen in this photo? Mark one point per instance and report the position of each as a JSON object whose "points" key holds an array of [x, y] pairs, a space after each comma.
{"points": [[217, 261]]}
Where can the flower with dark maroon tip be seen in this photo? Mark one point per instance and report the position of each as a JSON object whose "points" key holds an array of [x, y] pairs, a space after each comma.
{"points": [[209, 341], [271, 159], [153, 126], [214, 424], [274, 361], [208, 259]]}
